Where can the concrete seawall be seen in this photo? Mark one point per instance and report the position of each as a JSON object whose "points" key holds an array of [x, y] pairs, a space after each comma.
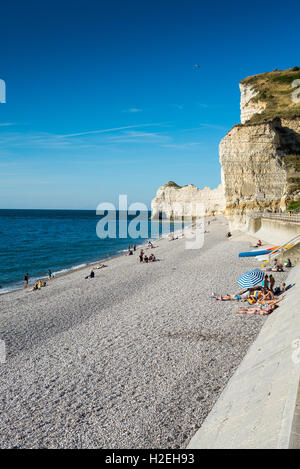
{"points": [[260, 406], [276, 232], [273, 230]]}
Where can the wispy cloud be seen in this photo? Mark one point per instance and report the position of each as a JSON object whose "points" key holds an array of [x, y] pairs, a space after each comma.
{"points": [[135, 136], [109, 139], [6, 124], [133, 110], [204, 125], [114, 129], [182, 146]]}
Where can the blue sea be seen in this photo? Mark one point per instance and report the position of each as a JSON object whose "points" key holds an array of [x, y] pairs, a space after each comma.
{"points": [[34, 241]]}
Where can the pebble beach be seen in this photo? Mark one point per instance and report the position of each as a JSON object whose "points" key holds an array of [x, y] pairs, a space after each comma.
{"points": [[133, 358]]}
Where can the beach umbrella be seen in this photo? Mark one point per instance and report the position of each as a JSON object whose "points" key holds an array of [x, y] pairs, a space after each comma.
{"points": [[251, 278]]}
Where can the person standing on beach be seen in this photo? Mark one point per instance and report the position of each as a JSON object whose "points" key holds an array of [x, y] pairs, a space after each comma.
{"points": [[272, 283], [265, 282], [49, 274], [26, 279], [134, 247]]}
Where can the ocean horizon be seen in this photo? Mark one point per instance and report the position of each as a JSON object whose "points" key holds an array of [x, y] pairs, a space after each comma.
{"points": [[35, 240]]}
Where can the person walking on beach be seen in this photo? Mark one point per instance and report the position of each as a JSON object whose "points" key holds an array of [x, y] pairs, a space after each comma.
{"points": [[49, 274], [26, 279], [134, 247]]}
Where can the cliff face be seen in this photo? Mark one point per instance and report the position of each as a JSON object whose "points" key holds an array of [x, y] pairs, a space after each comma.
{"points": [[261, 158], [249, 107], [171, 200]]}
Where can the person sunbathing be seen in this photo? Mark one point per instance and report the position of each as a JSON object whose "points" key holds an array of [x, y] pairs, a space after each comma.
{"points": [[101, 266], [270, 302], [262, 307], [258, 310], [241, 296]]}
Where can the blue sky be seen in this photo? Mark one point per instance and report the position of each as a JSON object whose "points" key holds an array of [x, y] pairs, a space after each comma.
{"points": [[104, 98]]}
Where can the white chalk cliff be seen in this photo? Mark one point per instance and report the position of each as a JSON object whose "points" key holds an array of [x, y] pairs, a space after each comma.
{"points": [[173, 201]]}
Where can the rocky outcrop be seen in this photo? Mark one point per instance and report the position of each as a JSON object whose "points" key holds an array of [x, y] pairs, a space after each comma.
{"points": [[172, 201], [249, 107]]}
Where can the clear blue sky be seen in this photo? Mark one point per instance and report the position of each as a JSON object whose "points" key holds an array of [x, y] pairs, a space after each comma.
{"points": [[104, 98]]}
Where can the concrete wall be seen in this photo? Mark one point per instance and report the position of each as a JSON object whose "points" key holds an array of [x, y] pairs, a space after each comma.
{"points": [[260, 406], [273, 231], [276, 232]]}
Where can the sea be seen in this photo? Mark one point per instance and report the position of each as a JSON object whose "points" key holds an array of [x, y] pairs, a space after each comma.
{"points": [[34, 241]]}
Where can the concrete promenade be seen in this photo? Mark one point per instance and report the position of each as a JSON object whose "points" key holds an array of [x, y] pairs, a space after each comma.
{"points": [[259, 408]]}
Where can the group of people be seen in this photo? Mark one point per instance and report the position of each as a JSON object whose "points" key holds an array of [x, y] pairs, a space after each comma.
{"points": [[145, 259], [131, 251], [92, 273], [261, 299], [39, 284], [142, 256]]}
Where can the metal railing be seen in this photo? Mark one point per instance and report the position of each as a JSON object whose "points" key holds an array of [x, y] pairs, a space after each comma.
{"points": [[292, 218]]}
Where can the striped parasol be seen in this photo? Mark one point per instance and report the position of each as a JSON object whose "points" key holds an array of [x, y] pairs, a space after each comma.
{"points": [[251, 278]]}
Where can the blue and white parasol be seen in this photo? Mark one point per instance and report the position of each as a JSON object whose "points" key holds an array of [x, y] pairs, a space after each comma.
{"points": [[251, 278]]}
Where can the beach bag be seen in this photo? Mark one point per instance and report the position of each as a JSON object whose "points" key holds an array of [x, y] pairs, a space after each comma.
{"points": [[277, 291]]}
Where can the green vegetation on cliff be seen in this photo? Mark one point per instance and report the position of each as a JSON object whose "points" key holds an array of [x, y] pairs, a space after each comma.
{"points": [[275, 89], [294, 205], [172, 184]]}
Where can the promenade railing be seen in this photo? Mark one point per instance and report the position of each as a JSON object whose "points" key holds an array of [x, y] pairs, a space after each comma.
{"points": [[292, 218]]}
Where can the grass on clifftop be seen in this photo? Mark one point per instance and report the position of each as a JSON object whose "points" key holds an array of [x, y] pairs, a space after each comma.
{"points": [[275, 89], [172, 184]]}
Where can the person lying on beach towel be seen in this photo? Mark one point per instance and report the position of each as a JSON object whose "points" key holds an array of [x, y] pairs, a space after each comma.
{"points": [[270, 302], [101, 266], [261, 308], [258, 310], [241, 296]]}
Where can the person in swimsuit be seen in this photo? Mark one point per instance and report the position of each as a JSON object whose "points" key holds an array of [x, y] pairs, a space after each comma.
{"points": [[26, 279]]}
